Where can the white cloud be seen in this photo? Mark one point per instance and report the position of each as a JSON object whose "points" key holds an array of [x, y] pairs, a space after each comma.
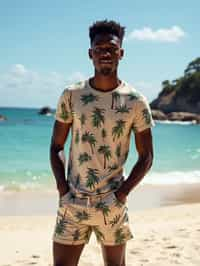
{"points": [[20, 86], [173, 34]]}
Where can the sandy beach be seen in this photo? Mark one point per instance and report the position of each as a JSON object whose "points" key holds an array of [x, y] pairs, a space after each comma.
{"points": [[165, 223], [163, 236]]}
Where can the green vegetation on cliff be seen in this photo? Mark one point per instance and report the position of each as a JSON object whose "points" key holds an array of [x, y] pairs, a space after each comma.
{"points": [[182, 94]]}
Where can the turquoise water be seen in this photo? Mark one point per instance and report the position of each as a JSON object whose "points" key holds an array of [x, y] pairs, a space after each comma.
{"points": [[25, 139]]}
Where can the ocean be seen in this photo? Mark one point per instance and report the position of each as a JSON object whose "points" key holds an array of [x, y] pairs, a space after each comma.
{"points": [[24, 152]]}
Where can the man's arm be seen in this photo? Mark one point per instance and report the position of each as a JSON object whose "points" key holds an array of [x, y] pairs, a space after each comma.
{"points": [[143, 142], [59, 136]]}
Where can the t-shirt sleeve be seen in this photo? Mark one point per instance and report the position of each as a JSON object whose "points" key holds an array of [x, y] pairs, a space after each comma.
{"points": [[142, 115], [64, 108]]}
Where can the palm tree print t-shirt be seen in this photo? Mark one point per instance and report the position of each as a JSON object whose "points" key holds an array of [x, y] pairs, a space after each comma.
{"points": [[101, 128]]}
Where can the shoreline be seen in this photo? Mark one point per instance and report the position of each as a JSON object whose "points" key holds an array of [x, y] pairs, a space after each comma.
{"points": [[143, 197]]}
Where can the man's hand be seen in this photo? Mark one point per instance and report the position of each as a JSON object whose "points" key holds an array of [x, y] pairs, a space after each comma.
{"points": [[121, 197], [63, 189]]}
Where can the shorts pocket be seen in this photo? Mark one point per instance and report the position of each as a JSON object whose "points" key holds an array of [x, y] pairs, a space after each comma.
{"points": [[63, 196], [63, 200]]}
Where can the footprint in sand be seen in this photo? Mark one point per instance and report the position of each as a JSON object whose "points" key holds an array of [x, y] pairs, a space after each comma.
{"points": [[161, 258], [134, 252], [148, 239], [163, 252], [175, 262], [144, 260], [171, 247], [176, 254], [181, 229], [165, 238]]}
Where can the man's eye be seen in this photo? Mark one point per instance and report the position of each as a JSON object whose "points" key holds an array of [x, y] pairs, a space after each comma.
{"points": [[97, 50], [111, 50]]}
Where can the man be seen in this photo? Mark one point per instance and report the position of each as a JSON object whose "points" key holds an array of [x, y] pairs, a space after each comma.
{"points": [[101, 112]]}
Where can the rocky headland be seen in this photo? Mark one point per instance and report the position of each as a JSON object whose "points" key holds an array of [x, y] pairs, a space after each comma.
{"points": [[179, 100]]}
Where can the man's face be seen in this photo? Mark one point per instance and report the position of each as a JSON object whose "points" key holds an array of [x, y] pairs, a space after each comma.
{"points": [[105, 53]]}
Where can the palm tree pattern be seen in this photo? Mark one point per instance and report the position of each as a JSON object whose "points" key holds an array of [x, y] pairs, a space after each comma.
{"points": [[82, 119], [105, 150], [115, 97], [77, 137], [134, 96], [115, 220], [103, 133], [118, 150], [92, 178], [76, 235], [117, 130], [119, 236], [88, 98], [64, 113], [112, 167], [103, 207], [125, 218], [146, 116], [60, 224], [84, 157], [98, 117], [87, 234], [82, 216], [122, 109], [89, 137], [100, 236]]}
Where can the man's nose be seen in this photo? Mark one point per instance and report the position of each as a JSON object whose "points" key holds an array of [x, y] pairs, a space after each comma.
{"points": [[106, 53]]}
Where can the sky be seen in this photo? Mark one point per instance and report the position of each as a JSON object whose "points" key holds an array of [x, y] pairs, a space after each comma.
{"points": [[44, 45]]}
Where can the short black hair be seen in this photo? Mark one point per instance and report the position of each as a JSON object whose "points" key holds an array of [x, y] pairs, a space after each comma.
{"points": [[106, 27]]}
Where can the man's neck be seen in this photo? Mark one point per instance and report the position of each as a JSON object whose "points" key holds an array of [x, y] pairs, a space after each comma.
{"points": [[105, 83]]}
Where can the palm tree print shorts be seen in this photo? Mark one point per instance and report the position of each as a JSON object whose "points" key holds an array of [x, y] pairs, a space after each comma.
{"points": [[103, 215]]}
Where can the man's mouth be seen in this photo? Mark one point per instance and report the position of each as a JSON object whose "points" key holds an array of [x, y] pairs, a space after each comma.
{"points": [[105, 61]]}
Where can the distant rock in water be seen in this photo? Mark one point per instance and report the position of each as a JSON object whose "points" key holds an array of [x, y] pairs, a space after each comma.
{"points": [[45, 111], [176, 116], [182, 94], [3, 118], [159, 115], [183, 116]]}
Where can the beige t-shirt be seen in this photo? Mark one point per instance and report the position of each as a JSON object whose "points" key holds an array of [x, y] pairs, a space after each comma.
{"points": [[101, 130]]}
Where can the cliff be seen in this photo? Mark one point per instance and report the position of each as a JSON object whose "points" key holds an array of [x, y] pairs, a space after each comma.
{"points": [[182, 94]]}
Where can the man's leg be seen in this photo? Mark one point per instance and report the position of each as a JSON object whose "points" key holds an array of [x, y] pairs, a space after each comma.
{"points": [[114, 255], [66, 255]]}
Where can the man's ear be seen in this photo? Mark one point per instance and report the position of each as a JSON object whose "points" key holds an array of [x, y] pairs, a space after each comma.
{"points": [[121, 53], [90, 53]]}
